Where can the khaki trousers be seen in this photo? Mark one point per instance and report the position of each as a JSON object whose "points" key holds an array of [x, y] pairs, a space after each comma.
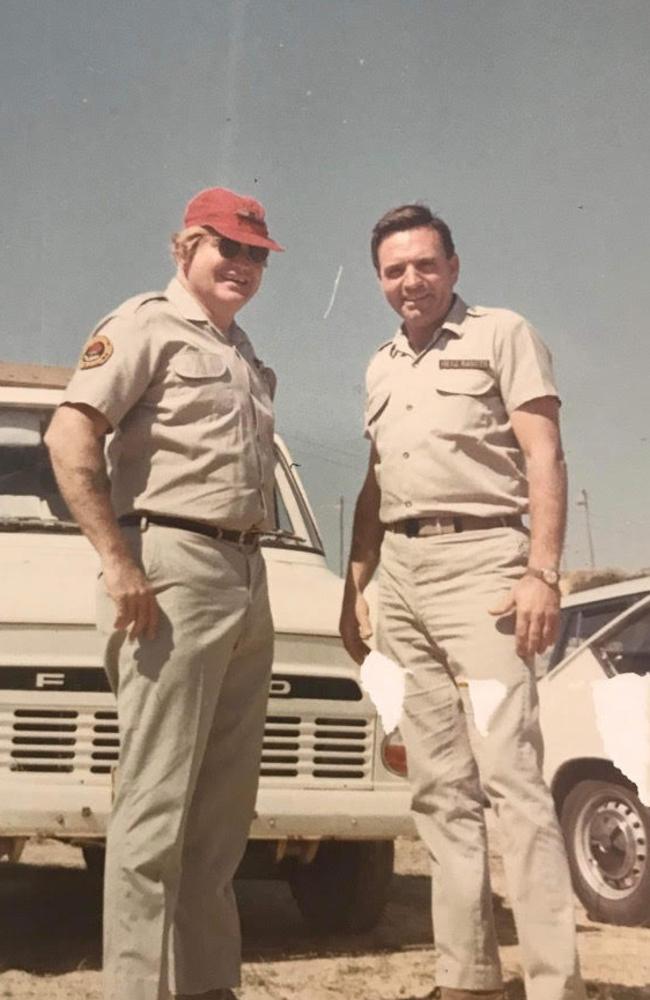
{"points": [[470, 725], [191, 706]]}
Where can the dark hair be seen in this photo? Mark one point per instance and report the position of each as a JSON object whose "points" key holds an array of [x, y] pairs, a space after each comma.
{"points": [[413, 216]]}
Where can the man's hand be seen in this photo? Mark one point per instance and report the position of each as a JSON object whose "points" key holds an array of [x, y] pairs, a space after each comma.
{"points": [[134, 598], [354, 626], [536, 606], [367, 534]]}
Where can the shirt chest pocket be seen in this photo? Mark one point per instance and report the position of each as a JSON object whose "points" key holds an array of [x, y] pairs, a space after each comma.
{"points": [[468, 398], [203, 383]]}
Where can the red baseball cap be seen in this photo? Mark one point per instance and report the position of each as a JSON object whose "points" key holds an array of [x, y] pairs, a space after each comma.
{"points": [[233, 215]]}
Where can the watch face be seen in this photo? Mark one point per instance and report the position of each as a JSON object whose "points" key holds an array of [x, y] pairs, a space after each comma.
{"points": [[551, 576]]}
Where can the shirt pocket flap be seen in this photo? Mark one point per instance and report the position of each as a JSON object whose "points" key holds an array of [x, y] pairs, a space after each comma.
{"points": [[196, 365], [466, 382], [375, 407]]}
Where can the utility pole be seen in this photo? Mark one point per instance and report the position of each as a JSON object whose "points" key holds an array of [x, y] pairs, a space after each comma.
{"points": [[583, 501], [341, 506]]}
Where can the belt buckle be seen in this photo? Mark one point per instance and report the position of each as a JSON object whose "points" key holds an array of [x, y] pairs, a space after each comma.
{"points": [[143, 523], [411, 527]]}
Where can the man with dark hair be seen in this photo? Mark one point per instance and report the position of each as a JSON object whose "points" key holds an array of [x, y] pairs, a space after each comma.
{"points": [[462, 415], [183, 601], [409, 217]]}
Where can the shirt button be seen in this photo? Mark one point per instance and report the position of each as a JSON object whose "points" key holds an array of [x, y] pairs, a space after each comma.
{"points": [[409, 406], [407, 503], [405, 454]]}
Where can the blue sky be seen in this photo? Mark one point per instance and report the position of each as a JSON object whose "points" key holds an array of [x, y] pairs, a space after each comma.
{"points": [[525, 124]]}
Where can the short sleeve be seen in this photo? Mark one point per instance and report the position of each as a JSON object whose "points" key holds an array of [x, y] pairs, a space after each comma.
{"points": [[524, 364], [376, 398], [116, 367]]}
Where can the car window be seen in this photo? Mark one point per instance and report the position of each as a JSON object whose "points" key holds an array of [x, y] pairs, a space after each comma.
{"points": [[577, 624], [626, 650]]}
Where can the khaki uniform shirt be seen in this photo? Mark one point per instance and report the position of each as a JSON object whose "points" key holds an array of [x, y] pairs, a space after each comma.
{"points": [[440, 420], [191, 408]]}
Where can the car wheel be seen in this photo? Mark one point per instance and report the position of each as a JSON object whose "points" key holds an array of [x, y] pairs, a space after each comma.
{"points": [[607, 833], [94, 856], [346, 886]]}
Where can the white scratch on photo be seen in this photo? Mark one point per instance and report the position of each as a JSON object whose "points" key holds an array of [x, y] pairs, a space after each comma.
{"points": [[334, 290]]}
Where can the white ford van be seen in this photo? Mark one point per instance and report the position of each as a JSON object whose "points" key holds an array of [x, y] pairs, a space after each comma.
{"points": [[331, 799]]}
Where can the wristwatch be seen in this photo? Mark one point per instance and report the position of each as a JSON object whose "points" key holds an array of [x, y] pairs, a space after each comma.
{"points": [[549, 575]]}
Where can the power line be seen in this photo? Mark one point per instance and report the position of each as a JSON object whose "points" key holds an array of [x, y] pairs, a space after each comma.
{"points": [[320, 444], [300, 447], [330, 461]]}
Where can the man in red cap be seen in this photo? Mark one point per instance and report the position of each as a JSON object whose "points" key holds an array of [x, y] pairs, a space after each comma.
{"points": [[175, 513]]}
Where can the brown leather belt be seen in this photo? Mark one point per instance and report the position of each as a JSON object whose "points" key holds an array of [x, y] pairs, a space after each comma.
{"points": [[418, 527], [212, 531]]}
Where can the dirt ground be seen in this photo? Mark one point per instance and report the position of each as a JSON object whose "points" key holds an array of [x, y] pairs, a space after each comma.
{"points": [[50, 948]]}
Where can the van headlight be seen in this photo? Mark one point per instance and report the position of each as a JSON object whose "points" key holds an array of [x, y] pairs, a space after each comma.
{"points": [[393, 754]]}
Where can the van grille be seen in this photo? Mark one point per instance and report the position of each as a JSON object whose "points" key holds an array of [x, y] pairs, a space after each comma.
{"points": [[296, 747]]}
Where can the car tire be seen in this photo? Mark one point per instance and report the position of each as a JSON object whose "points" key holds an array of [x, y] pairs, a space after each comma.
{"points": [[94, 855], [346, 886], [607, 834]]}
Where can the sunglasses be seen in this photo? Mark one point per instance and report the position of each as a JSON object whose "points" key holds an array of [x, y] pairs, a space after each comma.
{"points": [[232, 248]]}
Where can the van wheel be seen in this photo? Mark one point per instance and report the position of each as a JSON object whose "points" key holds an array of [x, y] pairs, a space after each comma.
{"points": [[346, 886], [607, 833], [94, 856]]}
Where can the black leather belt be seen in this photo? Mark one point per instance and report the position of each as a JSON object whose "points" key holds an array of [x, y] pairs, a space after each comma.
{"points": [[417, 527], [212, 531]]}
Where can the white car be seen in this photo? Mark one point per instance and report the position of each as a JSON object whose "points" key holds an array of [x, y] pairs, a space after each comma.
{"points": [[595, 717]]}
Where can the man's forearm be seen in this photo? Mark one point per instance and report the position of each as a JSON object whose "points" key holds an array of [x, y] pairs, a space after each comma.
{"points": [[367, 535], [547, 486], [75, 440], [80, 468]]}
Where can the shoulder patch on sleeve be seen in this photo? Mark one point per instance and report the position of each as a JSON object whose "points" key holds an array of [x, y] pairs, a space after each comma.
{"points": [[96, 352]]}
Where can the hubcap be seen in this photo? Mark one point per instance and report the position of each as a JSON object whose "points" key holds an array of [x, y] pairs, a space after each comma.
{"points": [[611, 845]]}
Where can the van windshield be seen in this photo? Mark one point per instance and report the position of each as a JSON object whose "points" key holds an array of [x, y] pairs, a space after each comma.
{"points": [[28, 489]]}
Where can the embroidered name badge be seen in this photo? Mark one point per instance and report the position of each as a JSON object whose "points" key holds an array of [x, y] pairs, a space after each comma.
{"points": [[480, 363], [96, 352]]}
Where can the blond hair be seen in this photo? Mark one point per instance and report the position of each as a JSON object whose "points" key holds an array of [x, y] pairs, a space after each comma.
{"points": [[185, 243]]}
